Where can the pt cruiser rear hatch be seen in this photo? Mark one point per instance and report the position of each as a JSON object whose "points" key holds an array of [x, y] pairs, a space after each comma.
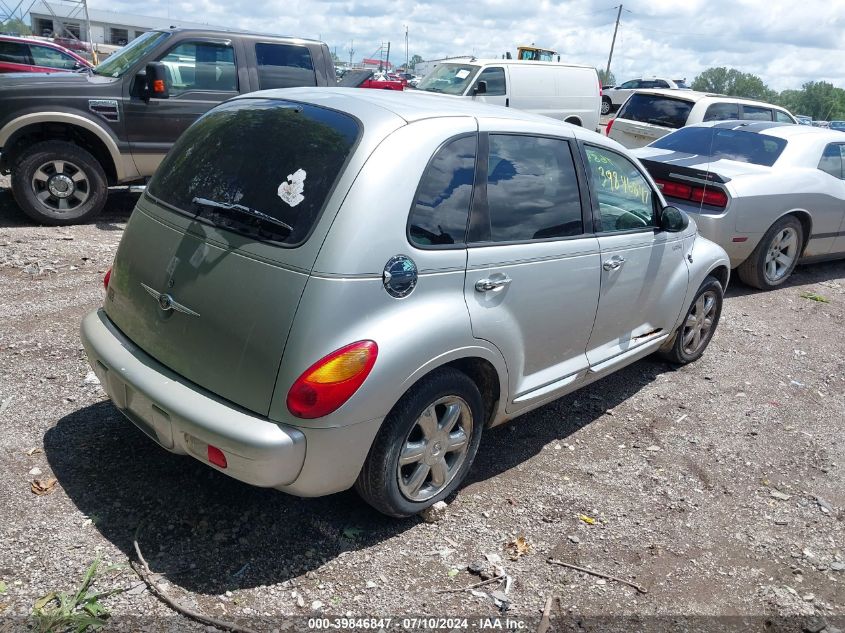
{"points": [[209, 274]]}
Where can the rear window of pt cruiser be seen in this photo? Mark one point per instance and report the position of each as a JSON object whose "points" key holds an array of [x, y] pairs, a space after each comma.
{"points": [[656, 110], [258, 167]]}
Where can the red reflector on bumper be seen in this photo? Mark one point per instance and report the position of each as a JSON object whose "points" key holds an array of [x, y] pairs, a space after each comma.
{"points": [[216, 456]]}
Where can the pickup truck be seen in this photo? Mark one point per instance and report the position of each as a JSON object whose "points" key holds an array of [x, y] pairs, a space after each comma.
{"points": [[66, 137]]}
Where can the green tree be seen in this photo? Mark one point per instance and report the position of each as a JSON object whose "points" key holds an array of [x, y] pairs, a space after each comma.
{"points": [[818, 99], [416, 59], [606, 79], [730, 81], [15, 25]]}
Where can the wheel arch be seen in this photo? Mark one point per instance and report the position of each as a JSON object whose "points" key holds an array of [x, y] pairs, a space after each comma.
{"points": [[62, 126], [484, 367], [574, 120], [806, 221], [722, 273]]}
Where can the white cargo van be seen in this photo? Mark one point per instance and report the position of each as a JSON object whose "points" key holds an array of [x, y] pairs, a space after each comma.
{"points": [[560, 91]]}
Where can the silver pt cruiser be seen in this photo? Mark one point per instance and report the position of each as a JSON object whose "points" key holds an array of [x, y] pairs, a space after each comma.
{"points": [[324, 288]]}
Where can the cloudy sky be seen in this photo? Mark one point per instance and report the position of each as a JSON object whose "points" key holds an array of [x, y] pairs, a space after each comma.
{"points": [[784, 42]]}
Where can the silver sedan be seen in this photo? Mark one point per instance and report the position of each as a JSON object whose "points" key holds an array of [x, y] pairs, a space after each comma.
{"points": [[770, 194]]}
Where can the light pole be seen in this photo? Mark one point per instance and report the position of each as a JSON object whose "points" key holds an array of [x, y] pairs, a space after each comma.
{"points": [[406, 48]]}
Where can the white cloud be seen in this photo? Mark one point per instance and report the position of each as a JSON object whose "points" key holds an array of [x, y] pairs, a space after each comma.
{"points": [[784, 43]]}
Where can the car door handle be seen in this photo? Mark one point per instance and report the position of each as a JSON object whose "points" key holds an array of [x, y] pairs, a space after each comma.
{"points": [[613, 263], [486, 285]]}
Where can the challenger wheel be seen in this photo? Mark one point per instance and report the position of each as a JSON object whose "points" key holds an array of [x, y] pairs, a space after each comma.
{"points": [[775, 257]]}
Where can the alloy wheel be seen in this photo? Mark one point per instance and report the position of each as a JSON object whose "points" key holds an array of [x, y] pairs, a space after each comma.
{"points": [[435, 448], [60, 185], [699, 323], [781, 254]]}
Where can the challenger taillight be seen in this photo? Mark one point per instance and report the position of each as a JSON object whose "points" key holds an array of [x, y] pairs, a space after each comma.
{"points": [[609, 125], [332, 380], [710, 195], [106, 279]]}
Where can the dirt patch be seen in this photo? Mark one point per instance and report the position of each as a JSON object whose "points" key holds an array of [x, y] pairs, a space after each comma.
{"points": [[675, 470]]}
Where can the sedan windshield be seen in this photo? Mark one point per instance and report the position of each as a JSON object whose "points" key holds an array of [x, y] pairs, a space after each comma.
{"points": [[121, 61], [451, 79], [720, 143]]}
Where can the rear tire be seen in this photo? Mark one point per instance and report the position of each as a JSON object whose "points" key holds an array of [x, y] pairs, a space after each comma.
{"points": [[59, 183], [606, 105], [699, 324], [775, 257], [435, 454]]}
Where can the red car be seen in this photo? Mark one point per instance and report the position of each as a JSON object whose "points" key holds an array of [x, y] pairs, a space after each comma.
{"points": [[366, 79], [24, 55]]}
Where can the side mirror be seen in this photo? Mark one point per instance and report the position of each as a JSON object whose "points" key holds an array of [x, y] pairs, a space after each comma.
{"points": [[480, 88], [156, 77], [673, 220]]}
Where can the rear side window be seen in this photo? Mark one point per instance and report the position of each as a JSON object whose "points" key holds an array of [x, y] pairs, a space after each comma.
{"points": [[284, 66], [832, 160], [248, 158], [532, 189], [656, 110], [14, 52], [719, 143], [783, 117], [756, 113], [441, 210], [722, 112]]}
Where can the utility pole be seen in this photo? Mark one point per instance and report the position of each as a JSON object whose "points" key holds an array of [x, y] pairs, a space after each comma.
{"points": [[387, 61], [613, 43], [351, 52], [406, 48]]}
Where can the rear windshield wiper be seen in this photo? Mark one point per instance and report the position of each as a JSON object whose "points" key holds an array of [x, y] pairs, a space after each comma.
{"points": [[228, 206]]}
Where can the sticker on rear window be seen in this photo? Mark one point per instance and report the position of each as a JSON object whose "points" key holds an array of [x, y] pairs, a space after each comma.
{"points": [[291, 190]]}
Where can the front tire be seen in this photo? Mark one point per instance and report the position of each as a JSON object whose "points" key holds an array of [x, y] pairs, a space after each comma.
{"points": [[606, 105], [699, 324], [425, 446], [775, 257], [59, 183]]}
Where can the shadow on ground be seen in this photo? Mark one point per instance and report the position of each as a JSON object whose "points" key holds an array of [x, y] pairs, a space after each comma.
{"points": [[118, 208], [801, 276], [208, 533]]}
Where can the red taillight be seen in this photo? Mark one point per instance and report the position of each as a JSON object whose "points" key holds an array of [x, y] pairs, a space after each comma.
{"points": [[709, 195], [674, 189], [106, 279], [216, 457], [609, 125], [332, 380], [600, 90], [706, 195]]}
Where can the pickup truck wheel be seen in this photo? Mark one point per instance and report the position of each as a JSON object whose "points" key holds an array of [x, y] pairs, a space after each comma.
{"points": [[425, 446], [59, 183], [698, 326], [606, 105]]}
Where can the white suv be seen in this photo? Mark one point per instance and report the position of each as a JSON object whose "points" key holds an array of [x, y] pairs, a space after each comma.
{"points": [[615, 96], [651, 114]]}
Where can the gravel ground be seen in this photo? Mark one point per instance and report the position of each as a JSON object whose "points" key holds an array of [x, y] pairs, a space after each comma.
{"points": [[719, 487]]}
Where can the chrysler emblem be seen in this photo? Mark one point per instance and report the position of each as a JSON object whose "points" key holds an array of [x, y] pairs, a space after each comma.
{"points": [[167, 303]]}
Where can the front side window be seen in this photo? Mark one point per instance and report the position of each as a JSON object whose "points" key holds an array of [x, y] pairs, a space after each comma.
{"points": [[14, 53], [207, 66], [249, 158], [832, 160], [441, 209], [51, 58], [284, 66], [722, 112], [656, 110], [625, 199], [532, 189], [495, 78], [756, 113]]}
